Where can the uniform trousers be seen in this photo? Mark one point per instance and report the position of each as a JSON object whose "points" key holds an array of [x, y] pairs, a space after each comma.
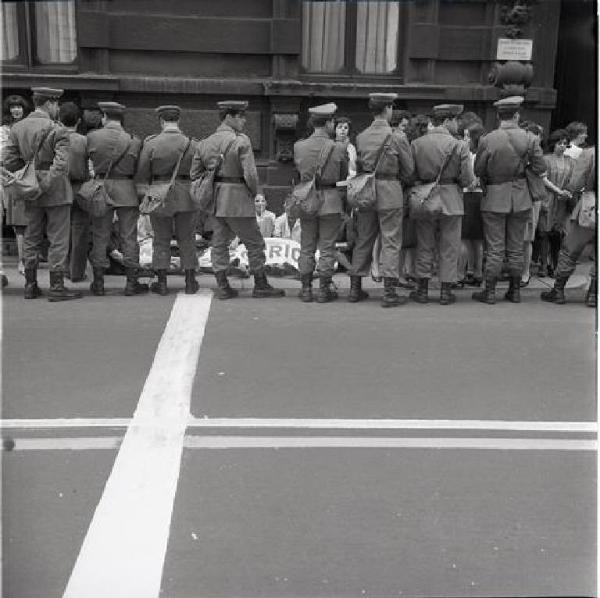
{"points": [[449, 247], [573, 245], [246, 228], [318, 233], [184, 224], [127, 227], [58, 224], [504, 234], [369, 225], [80, 242]]}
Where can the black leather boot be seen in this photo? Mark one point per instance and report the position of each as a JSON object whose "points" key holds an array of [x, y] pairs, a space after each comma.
{"points": [[191, 284], [32, 291], [224, 291], [58, 292], [447, 297], [390, 297], [356, 293], [591, 297], [132, 286], [514, 290], [97, 285], [306, 294], [160, 285], [262, 288], [421, 294], [557, 293], [326, 294], [488, 294]]}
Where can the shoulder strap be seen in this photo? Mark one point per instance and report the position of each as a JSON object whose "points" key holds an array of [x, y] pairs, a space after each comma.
{"points": [[382, 151], [114, 162], [41, 142], [523, 158], [446, 161], [324, 156], [222, 155], [176, 169]]}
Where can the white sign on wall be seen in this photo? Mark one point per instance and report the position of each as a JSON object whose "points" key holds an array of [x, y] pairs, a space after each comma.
{"points": [[514, 49]]}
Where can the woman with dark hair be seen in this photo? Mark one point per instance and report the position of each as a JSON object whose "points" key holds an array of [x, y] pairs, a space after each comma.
{"points": [[14, 109], [343, 126], [556, 210], [577, 132], [472, 226]]}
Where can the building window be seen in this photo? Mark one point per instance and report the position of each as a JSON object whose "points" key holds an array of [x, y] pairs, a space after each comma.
{"points": [[350, 37], [38, 33]]}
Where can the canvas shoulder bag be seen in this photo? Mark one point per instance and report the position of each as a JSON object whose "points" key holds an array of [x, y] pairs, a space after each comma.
{"points": [[24, 181], [424, 200], [305, 199], [92, 196], [361, 189], [156, 200], [202, 189]]}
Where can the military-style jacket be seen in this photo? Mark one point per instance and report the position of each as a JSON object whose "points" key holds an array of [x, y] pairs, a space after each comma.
{"points": [[109, 142], [52, 165], [429, 152], [78, 160], [500, 168], [306, 155], [158, 159], [234, 198], [583, 177], [396, 166]]}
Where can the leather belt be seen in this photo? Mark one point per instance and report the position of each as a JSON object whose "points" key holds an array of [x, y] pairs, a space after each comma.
{"points": [[162, 179], [230, 179], [448, 182], [386, 177], [521, 177], [115, 177], [320, 186]]}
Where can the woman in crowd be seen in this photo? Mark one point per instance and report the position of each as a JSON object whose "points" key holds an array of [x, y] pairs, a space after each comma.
{"points": [[15, 108], [342, 135], [472, 226], [556, 210], [577, 133], [264, 218]]}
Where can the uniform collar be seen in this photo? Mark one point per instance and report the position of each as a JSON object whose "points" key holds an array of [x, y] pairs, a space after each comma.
{"points": [[441, 130], [171, 128], [224, 127], [112, 124], [381, 122], [506, 124], [321, 134], [37, 113]]}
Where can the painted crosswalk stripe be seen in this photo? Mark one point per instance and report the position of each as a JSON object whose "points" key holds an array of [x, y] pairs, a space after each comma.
{"points": [[317, 423], [123, 552]]}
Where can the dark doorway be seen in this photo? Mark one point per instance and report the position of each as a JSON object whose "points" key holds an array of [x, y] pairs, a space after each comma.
{"points": [[576, 66]]}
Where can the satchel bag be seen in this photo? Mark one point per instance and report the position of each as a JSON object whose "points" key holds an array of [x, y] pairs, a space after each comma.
{"points": [[305, 201], [587, 210], [92, 196], [424, 200], [25, 181], [535, 183], [156, 200], [361, 189], [202, 189]]}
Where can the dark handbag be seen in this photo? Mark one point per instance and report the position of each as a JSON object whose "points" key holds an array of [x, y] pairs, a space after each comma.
{"points": [[202, 189], [424, 200], [305, 201], [361, 189], [92, 196], [156, 199], [24, 181]]}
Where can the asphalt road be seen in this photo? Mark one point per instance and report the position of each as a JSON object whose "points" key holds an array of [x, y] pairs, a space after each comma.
{"points": [[266, 507]]}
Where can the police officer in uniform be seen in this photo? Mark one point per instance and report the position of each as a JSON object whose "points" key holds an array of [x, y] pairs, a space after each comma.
{"points": [[430, 152], [500, 165], [321, 231], [105, 145], [159, 157], [235, 188], [54, 204], [396, 166]]}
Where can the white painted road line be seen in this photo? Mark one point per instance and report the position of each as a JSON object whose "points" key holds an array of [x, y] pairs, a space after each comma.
{"points": [[318, 423], [250, 442], [123, 553]]}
